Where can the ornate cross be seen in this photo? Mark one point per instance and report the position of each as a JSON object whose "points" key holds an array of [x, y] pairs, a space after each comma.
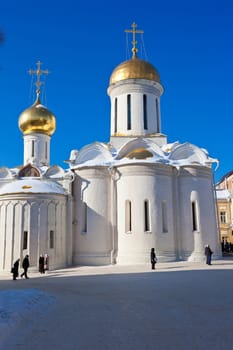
{"points": [[134, 42], [38, 72]]}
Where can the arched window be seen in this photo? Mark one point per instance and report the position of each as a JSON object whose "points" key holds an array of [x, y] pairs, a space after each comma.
{"points": [[84, 217], [46, 150], [128, 217], [25, 239], [145, 112], [115, 116], [33, 148], [128, 112], [164, 217], [194, 215], [146, 216], [51, 239], [157, 114]]}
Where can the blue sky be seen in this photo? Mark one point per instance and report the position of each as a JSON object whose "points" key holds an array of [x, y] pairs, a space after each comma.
{"points": [[81, 42]]}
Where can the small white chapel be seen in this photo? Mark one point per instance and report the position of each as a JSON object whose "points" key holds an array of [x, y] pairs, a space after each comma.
{"points": [[117, 199]]}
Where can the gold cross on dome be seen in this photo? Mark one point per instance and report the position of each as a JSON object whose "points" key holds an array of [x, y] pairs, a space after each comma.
{"points": [[134, 42], [38, 72]]}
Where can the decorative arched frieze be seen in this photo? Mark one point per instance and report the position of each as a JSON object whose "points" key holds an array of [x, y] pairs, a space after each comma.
{"points": [[96, 152], [55, 171], [140, 147]]}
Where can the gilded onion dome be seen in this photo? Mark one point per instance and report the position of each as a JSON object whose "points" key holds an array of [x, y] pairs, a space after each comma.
{"points": [[134, 69], [37, 119]]}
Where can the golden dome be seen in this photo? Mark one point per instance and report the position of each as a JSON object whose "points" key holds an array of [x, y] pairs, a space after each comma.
{"points": [[37, 119], [134, 69]]}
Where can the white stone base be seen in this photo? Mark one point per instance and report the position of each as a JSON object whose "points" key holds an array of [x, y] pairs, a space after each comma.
{"points": [[92, 259]]}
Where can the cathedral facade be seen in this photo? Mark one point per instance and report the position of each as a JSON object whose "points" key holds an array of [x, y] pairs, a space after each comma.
{"points": [[116, 200]]}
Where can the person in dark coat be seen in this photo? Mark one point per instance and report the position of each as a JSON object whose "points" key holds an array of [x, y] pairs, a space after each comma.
{"points": [[15, 269], [41, 264], [46, 262], [153, 258], [25, 266], [208, 254]]}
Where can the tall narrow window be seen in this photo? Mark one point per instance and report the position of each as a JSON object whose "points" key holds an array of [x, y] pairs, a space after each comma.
{"points": [[194, 216], [223, 217], [84, 218], [164, 217], [128, 112], [157, 114], [33, 148], [51, 239], [145, 112], [115, 116], [46, 150], [25, 239], [146, 216], [128, 218]]}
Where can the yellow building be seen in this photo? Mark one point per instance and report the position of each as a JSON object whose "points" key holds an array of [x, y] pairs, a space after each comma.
{"points": [[224, 193]]}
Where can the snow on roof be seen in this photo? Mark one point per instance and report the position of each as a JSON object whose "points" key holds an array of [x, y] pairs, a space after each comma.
{"points": [[174, 154], [222, 194], [31, 185]]}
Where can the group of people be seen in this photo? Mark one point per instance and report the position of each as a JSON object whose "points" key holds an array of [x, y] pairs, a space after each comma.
{"points": [[43, 263], [43, 266], [227, 247], [25, 266]]}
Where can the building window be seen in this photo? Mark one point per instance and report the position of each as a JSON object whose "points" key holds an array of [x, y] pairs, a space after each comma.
{"points": [[128, 112], [164, 217], [128, 217], [194, 216], [223, 218], [51, 239], [157, 114], [33, 148], [146, 216], [145, 112], [46, 150], [115, 113], [25, 239], [84, 218]]}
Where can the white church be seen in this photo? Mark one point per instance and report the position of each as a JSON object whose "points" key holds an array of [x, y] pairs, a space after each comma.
{"points": [[116, 200]]}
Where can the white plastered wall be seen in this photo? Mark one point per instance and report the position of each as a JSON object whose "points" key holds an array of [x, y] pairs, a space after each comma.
{"points": [[92, 246], [138, 183], [136, 88], [31, 213], [195, 185]]}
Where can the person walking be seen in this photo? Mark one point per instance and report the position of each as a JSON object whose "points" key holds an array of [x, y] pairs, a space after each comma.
{"points": [[46, 262], [153, 258], [208, 254], [15, 269], [25, 266], [41, 264]]}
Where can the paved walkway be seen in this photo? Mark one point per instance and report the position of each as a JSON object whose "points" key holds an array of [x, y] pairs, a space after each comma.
{"points": [[179, 306]]}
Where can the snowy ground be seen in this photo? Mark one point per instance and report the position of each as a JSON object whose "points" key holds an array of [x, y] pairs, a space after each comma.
{"points": [[178, 306]]}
